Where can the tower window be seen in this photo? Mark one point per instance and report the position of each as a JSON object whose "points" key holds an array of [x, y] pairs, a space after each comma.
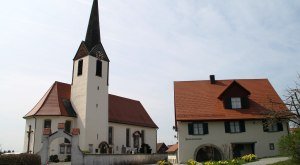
{"points": [[99, 68], [80, 65]]}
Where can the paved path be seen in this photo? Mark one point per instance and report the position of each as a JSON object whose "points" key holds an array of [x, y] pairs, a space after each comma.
{"points": [[265, 161], [61, 163]]}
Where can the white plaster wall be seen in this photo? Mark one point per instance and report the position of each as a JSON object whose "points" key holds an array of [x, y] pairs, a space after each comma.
{"points": [[90, 104], [119, 136], [29, 121], [97, 105], [188, 144], [38, 132], [78, 97]]}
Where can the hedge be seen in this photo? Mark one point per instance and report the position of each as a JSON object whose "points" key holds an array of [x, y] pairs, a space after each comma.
{"points": [[20, 159]]}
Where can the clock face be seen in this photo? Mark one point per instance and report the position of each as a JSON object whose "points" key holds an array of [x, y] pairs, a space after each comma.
{"points": [[99, 55]]}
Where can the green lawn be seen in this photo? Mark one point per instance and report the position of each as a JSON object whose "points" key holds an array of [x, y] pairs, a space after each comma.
{"points": [[287, 162]]}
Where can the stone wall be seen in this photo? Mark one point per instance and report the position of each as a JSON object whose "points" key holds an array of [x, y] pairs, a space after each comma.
{"points": [[123, 159]]}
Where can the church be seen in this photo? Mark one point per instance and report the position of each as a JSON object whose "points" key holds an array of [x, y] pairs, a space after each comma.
{"points": [[107, 124]]}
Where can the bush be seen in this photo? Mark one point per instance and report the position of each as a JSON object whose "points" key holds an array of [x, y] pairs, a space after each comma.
{"points": [[145, 148], [20, 159], [54, 158], [232, 161], [249, 158], [68, 158], [163, 162], [289, 145], [192, 162]]}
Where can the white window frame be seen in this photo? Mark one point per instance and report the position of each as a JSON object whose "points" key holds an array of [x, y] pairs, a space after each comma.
{"points": [[236, 103], [198, 129], [234, 127], [273, 127]]}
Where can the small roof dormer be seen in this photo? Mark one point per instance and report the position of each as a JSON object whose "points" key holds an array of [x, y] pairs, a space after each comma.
{"points": [[234, 90], [235, 96]]}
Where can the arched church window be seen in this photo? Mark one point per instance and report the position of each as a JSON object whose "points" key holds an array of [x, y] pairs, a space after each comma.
{"points": [[110, 135], [99, 68], [136, 138], [68, 126], [79, 69]]}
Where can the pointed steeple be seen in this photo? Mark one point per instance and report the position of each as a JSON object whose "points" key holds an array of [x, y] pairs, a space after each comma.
{"points": [[92, 37], [92, 44]]}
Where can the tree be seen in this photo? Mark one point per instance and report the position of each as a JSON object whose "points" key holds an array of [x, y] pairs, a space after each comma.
{"points": [[293, 103], [289, 145], [291, 107]]}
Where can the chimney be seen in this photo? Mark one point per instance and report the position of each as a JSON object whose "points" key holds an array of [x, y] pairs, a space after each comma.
{"points": [[212, 79]]}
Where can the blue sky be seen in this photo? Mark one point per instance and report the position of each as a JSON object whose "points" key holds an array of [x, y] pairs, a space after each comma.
{"points": [[150, 43]]}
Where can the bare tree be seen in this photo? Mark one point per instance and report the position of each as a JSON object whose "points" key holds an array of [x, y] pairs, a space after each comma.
{"points": [[291, 110]]}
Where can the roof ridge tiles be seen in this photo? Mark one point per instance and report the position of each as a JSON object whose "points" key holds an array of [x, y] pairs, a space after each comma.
{"points": [[223, 80], [124, 97]]}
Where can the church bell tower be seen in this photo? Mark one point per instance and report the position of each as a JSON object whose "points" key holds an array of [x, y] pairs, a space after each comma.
{"points": [[89, 90]]}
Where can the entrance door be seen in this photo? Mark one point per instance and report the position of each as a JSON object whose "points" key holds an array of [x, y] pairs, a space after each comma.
{"points": [[241, 149]]}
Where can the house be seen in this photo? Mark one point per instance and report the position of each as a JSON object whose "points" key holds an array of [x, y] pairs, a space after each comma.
{"points": [[222, 119], [107, 123], [172, 153], [161, 148]]}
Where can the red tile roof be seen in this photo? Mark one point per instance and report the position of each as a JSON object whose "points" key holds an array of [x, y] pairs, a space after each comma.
{"points": [[127, 111], [121, 110], [198, 100], [52, 103], [173, 148]]}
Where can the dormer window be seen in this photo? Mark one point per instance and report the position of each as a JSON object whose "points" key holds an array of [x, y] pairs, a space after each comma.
{"points": [[235, 96], [236, 103]]}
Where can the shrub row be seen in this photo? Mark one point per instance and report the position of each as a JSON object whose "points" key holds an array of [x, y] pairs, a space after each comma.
{"points": [[20, 159]]}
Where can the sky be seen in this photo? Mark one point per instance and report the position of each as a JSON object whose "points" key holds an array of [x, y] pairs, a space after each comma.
{"points": [[150, 43]]}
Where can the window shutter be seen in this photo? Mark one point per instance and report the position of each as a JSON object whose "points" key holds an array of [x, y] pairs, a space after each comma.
{"points": [[191, 128], [242, 125], [245, 102], [227, 126], [279, 126], [265, 125], [227, 103], [205, 128]]}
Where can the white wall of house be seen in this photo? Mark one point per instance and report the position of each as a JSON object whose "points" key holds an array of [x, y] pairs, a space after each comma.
{"points": [[119, 136], [189, 144], [29, 121], [37, 125], [89, 97]]}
